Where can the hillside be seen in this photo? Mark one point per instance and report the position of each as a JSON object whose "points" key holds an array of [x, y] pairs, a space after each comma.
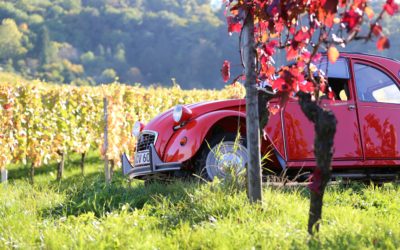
{"points": [[97, 41]]}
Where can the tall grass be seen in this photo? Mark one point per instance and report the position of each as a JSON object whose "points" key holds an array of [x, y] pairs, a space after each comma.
{"points": [[85, 213]]}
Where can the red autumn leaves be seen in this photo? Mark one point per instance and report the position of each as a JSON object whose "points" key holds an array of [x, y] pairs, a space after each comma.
{"points": [[391, 7], [226, 71], [274, 18], [7, 106]]}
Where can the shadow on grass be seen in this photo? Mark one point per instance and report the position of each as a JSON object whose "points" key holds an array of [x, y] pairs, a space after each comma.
{"points": [[23, 172], [90, 193]]}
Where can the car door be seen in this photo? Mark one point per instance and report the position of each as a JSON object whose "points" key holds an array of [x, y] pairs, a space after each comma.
{"points": [[378, 101], [299, 131]]}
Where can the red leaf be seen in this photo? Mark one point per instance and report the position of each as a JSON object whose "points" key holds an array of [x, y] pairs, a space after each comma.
{"points": [[279, 25], [331, 95], [291, 53], [351, 19], [233, 25], [7, 106], [383, 43], [278, 84], [376, 29], [391, 7], [226, 71], [301, 36], [270, 47], [306, 87]]}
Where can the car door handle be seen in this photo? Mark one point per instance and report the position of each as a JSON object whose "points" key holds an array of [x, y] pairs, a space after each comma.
{"points": [[351, 107]]}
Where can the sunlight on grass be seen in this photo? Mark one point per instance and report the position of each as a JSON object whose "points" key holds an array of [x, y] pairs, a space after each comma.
{"points": [[83, 212]]}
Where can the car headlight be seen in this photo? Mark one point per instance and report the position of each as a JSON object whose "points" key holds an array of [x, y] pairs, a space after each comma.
{"points": [[181, 113], [137, 128]]}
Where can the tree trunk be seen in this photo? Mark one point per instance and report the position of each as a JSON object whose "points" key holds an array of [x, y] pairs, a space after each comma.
{"points": [[60, 169], [32, 173], [325, 129], [252, 120], [83, 163]]}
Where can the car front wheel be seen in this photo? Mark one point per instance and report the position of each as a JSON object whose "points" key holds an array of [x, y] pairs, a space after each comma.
{"points": [[223, 155]]}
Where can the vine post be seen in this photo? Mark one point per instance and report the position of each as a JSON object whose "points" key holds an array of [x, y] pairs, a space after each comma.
{"points": [[82, 164], [4, 175], [254, 189], [60, 169], [107, 171]]}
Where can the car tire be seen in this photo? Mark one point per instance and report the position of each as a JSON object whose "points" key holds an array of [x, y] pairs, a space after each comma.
{"points": [[219, 154]]}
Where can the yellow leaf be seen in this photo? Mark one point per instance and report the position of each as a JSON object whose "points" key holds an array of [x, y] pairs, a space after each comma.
{"points": [[333, 54], [369, 12]]}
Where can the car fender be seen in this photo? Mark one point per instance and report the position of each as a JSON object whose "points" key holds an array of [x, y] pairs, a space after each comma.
{"points": [[195, 131]]}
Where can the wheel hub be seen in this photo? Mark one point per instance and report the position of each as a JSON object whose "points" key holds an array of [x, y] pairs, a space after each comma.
{"points": [[226, 158]]}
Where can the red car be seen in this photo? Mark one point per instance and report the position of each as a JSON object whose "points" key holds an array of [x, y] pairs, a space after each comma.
{"points": [[201, 137]]}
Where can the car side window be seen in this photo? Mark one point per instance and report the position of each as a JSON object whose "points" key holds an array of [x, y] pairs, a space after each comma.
{"points": [[373, 85], [338, 77]]}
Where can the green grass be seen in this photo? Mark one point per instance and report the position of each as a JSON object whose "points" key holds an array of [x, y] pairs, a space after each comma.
{"points": [[84, 213]]}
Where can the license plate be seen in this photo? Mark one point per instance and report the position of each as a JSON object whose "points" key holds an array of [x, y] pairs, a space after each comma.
{"points": [[142, 158]]}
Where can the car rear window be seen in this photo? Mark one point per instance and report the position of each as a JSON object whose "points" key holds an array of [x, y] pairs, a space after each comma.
{"points": [[339, 69]]}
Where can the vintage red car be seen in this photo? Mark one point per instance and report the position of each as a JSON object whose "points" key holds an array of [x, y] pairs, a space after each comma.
{"points": [[201, 137]]}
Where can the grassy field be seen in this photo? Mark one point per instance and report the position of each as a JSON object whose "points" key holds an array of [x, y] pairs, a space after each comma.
{"points": [[84, 213]]}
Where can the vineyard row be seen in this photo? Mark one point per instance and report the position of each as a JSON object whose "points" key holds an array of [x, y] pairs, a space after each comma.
{"points": [[40, 122]]}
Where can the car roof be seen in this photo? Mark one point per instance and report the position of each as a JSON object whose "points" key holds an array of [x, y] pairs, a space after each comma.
{"points": [[366, 55]]}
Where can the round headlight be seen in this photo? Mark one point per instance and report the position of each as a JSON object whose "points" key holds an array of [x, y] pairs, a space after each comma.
{"points": [[177, 114], [137, 128], [181, 114]]}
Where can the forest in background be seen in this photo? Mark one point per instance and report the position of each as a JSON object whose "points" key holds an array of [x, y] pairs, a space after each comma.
{"points": [[88, 42]]}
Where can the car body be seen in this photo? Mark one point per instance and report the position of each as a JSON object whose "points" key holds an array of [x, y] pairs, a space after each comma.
{"points": [[367, 143]]}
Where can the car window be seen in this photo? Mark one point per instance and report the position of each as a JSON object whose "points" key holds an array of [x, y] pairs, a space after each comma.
{"points": [[375, 86], [338, 77], [339, 69]]}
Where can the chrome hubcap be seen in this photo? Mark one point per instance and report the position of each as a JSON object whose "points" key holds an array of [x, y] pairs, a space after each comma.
{"points": [[226, 158]]}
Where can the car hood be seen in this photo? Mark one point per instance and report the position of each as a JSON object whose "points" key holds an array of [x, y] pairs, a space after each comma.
{"points": [[197, 110], [163, 124]]}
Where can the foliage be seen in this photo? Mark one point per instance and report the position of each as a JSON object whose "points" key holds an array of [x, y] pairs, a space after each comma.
{"points": [[40, 121], [84, 212], [160, 40], [143, 41], [10, 40], [302, 29]]}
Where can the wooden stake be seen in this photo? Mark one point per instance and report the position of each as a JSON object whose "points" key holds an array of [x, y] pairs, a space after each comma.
{"points": [[32, 173], [106, 165], [60, 169], [83, 163], [4, 175], [252, 121]]}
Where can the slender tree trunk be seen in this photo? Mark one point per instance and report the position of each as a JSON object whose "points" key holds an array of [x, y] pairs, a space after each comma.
{"points": [[252, 121], [32, 173], [60, 169], [325, 129], [83, 156]]}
